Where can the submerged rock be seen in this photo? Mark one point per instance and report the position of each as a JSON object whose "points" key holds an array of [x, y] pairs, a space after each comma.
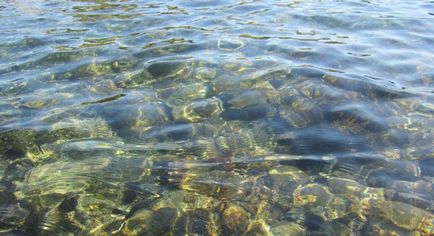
{"points": [[198, 110]]}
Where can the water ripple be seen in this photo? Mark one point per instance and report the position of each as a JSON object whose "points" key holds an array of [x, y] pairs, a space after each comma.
{"points": [[286, 117]]}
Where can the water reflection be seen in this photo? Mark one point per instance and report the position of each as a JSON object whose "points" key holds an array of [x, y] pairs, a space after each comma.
{"points": [[216, 118]]}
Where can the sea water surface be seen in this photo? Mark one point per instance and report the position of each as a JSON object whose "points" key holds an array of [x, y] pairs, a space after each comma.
{"points": [[215, 117]]}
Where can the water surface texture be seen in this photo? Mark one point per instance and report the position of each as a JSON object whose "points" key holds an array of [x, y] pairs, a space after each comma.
{"points": [[216, 117]]}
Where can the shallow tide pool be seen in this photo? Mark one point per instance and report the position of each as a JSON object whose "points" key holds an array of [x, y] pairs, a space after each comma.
{"points": [[216, 117]]}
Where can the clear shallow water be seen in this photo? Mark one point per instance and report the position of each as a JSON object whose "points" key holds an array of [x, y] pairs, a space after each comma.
{"points": [[216, 117]]}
